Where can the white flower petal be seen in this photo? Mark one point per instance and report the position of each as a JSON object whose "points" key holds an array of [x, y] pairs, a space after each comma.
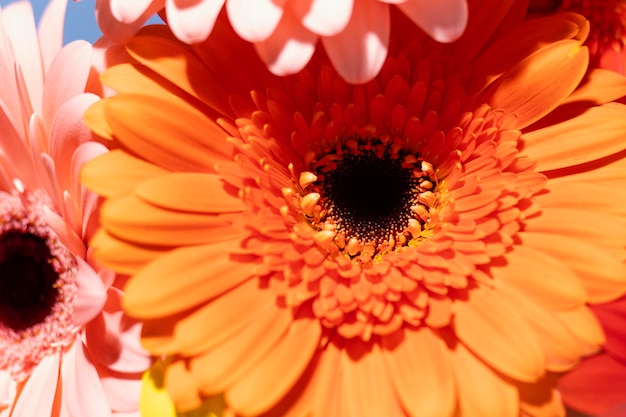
{"points": [[324, 17], [358, 53], [192, 21], [443, 20], [289, 48], [130, 11], [254, 20]]}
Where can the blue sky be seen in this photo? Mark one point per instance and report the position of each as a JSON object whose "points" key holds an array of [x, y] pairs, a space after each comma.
{"points": [[80, 21]]}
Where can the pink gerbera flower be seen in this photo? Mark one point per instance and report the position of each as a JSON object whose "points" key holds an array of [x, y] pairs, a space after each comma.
{"points": [[66, 349], [355, 34]]}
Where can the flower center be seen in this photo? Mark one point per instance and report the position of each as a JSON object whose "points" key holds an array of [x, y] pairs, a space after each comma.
{"points": [[37, 285], [27, 283], [369, 196], [367, 199]]}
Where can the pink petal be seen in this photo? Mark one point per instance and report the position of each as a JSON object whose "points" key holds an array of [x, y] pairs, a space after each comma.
{"points": [[82, 392], [7, 389], [51, 31], [105, 54], [19, 24], [122, 392], [67, 78], [12, 144], [443, 20], [91, 295], [358, 53], [192, 21], [89, 201], [289, 48], [113, 339], [8, 86], [65, 234], [38, 395], [254, 20], [130, 11], [323, 17], [67, 132]]}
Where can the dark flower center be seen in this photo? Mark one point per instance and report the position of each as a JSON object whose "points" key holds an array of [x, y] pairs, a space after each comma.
{"points": [[370, 196], [27, 280]]}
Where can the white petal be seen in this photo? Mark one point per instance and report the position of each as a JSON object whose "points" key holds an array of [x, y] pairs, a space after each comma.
{"points": [[254, 20], [289, 48], [323, 17], [192, 21], [443, 20], [130, 11], [358, 53]]}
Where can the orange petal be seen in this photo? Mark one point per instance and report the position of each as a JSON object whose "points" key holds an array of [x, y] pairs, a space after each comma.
{"points": [[541, 398], [536, 85], [185, 140], [481, 391], [560, 346], [236, 349], [136, 79], [567, 193], [222, 318], [541, 277], [584, 326], [598, 87], [123, 257], [606, 230], [518, 43], [197, 193], [283, 365], [597, 133], [499, 335], [365, 387], [603, 274], [180, 386], [421, 374], [96, 121], [175, 63], [116, 173], [209, 271], [134, 220]]}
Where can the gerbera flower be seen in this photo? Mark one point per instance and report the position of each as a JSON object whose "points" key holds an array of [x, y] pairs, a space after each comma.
{"points": [[355, 34], [608, 28], [66, 345], [598, 384], [424, 244]]}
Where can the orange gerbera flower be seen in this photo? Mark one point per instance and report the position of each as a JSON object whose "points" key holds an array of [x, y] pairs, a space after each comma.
{"points": [[424, 244]]}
